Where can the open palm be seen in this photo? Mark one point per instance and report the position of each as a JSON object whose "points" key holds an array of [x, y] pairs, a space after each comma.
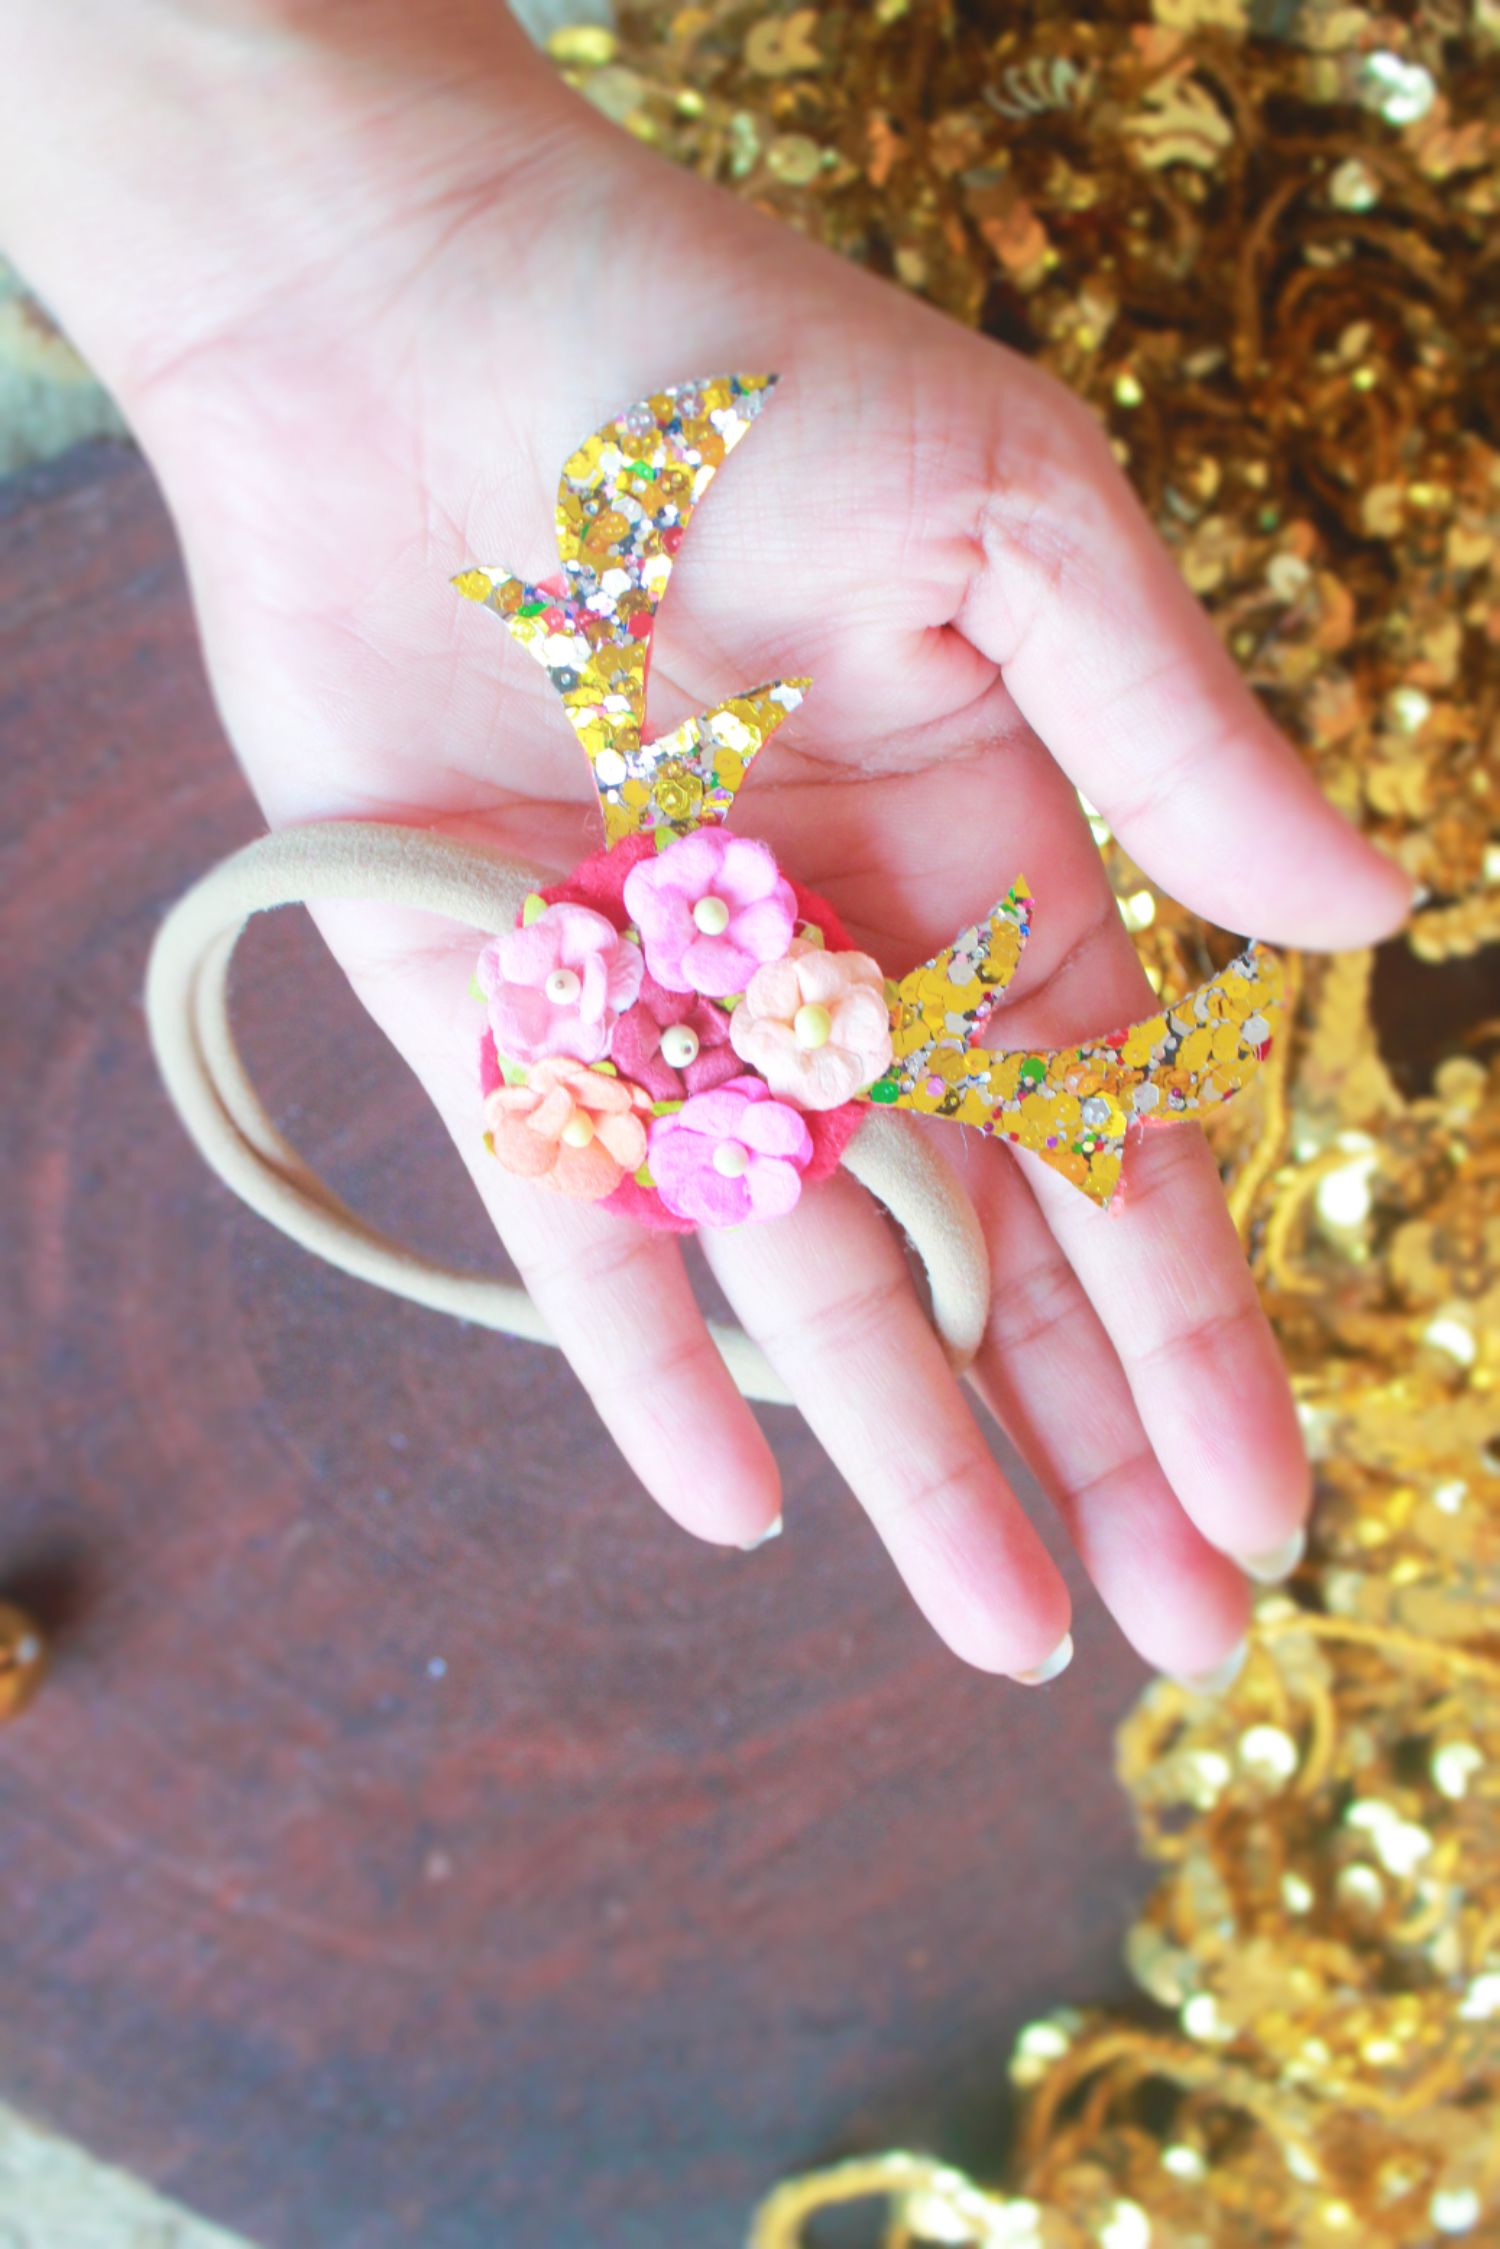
{"points": [[939, 536]]}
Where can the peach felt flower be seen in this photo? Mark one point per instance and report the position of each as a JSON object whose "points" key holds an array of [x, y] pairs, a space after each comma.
{"points": [[815, 1025], [581, 1130], [710, 909], [556, 985]]}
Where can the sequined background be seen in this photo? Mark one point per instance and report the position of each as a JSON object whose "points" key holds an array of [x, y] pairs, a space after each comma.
{"points": [[1261, 241]]}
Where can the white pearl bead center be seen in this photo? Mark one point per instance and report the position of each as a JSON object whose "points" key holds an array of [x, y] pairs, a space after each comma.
{"points": [[711, 916], [579, 1129], [731, 1160], [563, 987], [679, 1045], [812, 1025]]}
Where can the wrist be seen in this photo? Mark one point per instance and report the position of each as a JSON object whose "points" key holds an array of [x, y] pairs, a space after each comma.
{"points": [[221, 163]]}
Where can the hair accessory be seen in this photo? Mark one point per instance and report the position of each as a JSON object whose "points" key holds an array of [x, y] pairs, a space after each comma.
{"points": [[187, 1014], [678, 1031], [741, 1034]]}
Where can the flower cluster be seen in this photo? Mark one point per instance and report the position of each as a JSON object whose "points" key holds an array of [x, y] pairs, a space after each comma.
{"points": [[679, 1033]]}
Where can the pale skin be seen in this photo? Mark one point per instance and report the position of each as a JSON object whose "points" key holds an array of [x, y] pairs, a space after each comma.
{"points": [[361, 276]]}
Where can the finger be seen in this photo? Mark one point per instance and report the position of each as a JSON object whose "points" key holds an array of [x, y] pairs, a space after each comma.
{"points": [[1167, 1277], [616, 1297], [1051, 1377], [826, 1293], [1121, 674], [621, 1307]]}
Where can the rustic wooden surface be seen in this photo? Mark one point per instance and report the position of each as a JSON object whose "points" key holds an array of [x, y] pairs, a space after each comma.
{"points": [[419, 1841]]}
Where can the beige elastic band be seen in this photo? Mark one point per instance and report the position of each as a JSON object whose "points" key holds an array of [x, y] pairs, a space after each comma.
{"points": [[187, 1013]]}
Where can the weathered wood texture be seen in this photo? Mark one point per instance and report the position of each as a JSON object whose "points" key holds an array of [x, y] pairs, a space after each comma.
{"points": [[419, 1841]]}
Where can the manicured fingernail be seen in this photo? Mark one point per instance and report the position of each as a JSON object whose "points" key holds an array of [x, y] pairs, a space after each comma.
{"points": [[772, 1530], [1060, 1658], [1222, 1676], [1277, 1563]]}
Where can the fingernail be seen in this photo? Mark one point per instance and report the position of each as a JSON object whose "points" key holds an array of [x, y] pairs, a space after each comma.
{"points": [[1060, 1658], [1276, 1564], [772, 1530], [1222, 1676]]}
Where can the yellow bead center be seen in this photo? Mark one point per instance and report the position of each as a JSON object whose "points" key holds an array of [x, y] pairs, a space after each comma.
{"points": [[579, 1130], [813, 1025], [711, 916]]}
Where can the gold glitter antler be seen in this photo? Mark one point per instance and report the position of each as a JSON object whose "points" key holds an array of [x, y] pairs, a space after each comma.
{"points": [[948, 999], [626, 498], [1073, 1106]]}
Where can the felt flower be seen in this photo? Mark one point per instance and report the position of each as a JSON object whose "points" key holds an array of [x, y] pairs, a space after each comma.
{"points": [[816, 1025], [556, 986], [710, 909], [673, 1043], [731, 1154], [581, 1130]]}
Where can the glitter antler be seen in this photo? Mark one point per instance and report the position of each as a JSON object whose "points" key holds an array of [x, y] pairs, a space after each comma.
{"points": [[1072, 1106], [626, 498]]}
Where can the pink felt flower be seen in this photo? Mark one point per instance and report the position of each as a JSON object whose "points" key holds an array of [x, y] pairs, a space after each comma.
{"points": [[581, 1130], [729, 1155], [673, 1043], [557, 985], [816, 1025], [710, 909]]}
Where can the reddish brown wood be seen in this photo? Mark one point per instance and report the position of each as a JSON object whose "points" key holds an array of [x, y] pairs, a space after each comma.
{"points": [[689, 1868]]}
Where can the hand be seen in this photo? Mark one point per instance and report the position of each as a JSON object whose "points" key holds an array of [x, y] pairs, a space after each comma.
{"points": [[463, 272]]}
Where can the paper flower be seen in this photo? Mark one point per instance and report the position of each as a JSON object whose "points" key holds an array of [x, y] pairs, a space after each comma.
{"points": [[816, 1025], [581, 1130], [556, 986], [673, 1043], [710, 909], [730, 1155]]}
